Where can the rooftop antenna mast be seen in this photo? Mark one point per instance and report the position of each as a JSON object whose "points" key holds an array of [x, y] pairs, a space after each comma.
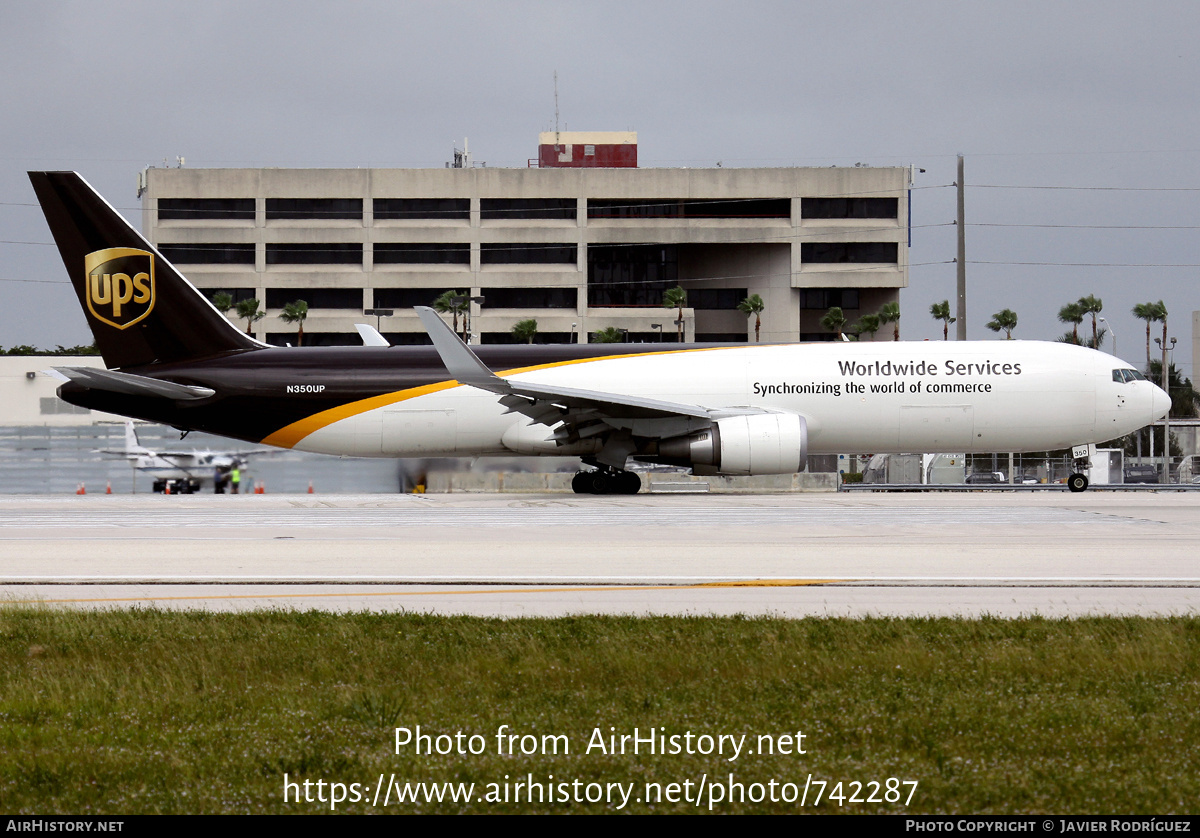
{"points": [[556, 108]]}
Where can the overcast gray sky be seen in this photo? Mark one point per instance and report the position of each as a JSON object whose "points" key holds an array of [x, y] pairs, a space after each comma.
{"points": [[1101, 97]]}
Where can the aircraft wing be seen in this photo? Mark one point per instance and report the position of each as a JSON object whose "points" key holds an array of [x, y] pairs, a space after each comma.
{"points": [[133, 385], [582, 413]]}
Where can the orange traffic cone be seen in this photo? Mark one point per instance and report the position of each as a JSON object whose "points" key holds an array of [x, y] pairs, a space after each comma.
{"points": [[82, 489], [167, 488], [310, 491], [108, 487]]}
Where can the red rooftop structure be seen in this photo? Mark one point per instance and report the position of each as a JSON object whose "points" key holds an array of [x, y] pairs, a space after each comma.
{"points": [[587, 149]]}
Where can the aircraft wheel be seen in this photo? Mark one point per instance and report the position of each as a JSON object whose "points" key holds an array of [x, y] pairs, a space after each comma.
{"points": [[631, 484], [600, 483], [581, 483], [1077, 482]]}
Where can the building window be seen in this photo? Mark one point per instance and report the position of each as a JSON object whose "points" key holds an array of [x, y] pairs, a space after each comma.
{"points": [[315, 338], [208, 254], [680, 208], [428, 209], [722, 337], [539, 338], [503, 209], [318, 209], [236, 294], [422, 254], [631, 275], [408, 338], [528, 254], [348, 298], [849, 207], [821, 299], [314, 254], [715, 299], [53, 406], [405, 298], [193, 209], [849, 252], [529, 297]]}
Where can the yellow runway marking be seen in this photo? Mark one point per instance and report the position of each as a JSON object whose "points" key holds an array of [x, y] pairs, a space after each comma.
{"points": [[749, 583]]}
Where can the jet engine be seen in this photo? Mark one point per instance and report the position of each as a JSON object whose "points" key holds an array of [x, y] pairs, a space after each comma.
{"points": [[760, 443]]}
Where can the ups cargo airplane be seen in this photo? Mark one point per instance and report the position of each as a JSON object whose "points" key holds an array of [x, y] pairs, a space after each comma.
{"points": [[172, 358]]}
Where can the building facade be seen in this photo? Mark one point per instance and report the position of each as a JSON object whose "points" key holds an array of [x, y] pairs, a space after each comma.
{"points": [[579, 248]]}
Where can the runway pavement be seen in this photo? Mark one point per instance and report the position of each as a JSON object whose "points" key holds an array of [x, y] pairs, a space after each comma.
{"points": [[516, 555]]}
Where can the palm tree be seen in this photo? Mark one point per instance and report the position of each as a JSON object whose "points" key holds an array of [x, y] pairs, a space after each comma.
{"points": [[610, 334], [222, 301], [834, 321], [525, 330], [1092, 305], [753, 305], [1006, 320], [868, 323], [941, 311], [1072, 313], [1151, 313], [454, 303], [296, 312], [249, 311], [890, 313], [1184, 398], [676, 298]]}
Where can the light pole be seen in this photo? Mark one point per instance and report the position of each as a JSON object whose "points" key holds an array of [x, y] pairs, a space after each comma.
{"points": [[658, 328], [378, 314], [467, 312], [1108, 326], [574, 326], [1166, 385]]}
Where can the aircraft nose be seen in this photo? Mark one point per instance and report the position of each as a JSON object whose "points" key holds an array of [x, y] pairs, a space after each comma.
{"points": [[1160, 403]]}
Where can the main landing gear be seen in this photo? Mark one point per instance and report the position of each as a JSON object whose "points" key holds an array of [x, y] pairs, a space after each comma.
{"points": [[606, 481]]}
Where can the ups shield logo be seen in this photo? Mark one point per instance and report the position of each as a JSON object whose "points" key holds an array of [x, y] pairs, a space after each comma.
{"points": [[120, 285]]}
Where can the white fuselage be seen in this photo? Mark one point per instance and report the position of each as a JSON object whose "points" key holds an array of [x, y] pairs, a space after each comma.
{"points": [[855, 397]]}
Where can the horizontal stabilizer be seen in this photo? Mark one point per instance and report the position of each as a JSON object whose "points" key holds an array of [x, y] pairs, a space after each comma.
{"points": [[134, 385], [370, 335]]}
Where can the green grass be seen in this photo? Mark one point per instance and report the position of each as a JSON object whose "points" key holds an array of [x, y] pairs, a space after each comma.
{"points": [[122, 712]]}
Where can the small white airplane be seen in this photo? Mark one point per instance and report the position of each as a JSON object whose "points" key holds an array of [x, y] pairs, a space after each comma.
{"points": [[183, 472]]}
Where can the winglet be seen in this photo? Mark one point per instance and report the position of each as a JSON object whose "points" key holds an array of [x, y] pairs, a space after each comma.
{"points": [[457, 356]]}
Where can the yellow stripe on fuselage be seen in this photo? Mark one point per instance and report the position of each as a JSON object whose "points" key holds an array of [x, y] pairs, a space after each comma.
{"points": [[290, 435]]}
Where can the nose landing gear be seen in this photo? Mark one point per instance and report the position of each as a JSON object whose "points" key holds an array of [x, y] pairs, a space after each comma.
{"points": [[606, 481], [1081, 456]]}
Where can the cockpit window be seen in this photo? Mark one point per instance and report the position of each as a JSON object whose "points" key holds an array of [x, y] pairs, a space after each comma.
{"points": [[1125, 375]]}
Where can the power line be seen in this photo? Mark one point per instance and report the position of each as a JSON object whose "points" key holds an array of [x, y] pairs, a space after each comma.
{"points": [[1092, 226], [1090, 188], [1087, 264]]}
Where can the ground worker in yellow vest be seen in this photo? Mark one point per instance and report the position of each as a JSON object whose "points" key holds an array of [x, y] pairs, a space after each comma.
{"points": [[235, 477]]}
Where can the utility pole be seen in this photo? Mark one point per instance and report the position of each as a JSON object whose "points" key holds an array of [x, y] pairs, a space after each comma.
{"points": [[1165, 477], [961, 313]]}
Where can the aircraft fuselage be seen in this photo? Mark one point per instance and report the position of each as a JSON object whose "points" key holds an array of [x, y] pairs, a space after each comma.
{"points": [[868, 397]]}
